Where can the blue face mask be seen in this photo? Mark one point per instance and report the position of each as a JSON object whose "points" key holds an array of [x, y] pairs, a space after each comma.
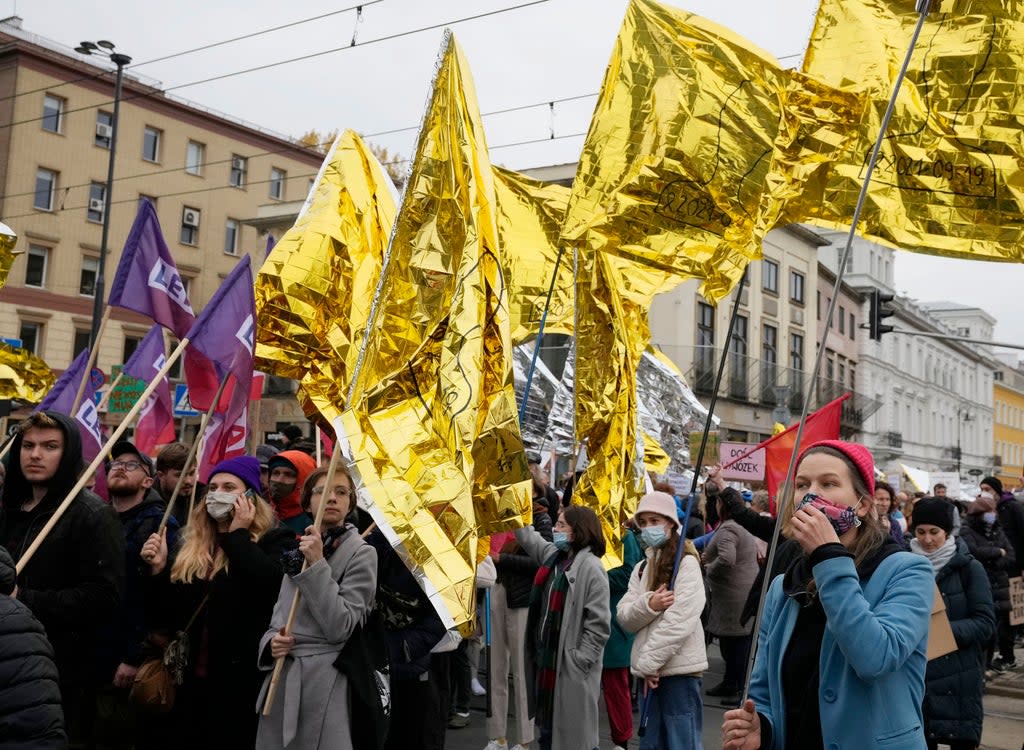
{"points": [[989, 517], [653, 536], [561, 540]]}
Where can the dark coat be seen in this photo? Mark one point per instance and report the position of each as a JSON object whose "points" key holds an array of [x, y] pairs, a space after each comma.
{"points": [[1011, 518], [620, 643], [73, 584], [516, 571], [986, 544], [954, 683], [30, 706], [230, 625]]}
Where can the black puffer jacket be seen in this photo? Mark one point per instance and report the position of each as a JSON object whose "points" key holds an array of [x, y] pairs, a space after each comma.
{"points": [[30, 709], [987, 544], [954, 683], [1011, 518], [73, 583]]}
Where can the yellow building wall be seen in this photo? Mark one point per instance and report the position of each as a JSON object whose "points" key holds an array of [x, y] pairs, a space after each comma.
{"points": [[1008, 432]]}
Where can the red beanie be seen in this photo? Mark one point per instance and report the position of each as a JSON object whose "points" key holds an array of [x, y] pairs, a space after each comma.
{"points": [[858, 454]]}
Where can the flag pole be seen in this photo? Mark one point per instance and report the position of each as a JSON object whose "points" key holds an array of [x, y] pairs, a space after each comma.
{"points": [[332, 467], [540, 338], [91, 469], [785, 494], [106, 396], [93, 354], [191, 455], [6, 447], [319, 449]]}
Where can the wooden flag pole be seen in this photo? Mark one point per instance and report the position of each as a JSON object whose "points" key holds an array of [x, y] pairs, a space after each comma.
{"points": [[332, 467], [93, 354], [319, 449], [193, 449], [106, 396], [91, 469], [7, 445]]}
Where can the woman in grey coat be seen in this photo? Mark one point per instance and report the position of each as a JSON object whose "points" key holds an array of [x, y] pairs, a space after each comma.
{"points": [[311, 709], [567, 629]]}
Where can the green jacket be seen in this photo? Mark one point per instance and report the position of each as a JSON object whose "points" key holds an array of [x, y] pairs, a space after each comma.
{"points": [[620, 643]]}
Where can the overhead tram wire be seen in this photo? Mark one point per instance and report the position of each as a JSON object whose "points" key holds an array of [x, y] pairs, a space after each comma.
{"points": [[259, 154], [267, 66], [213, 188], [211, 45]]}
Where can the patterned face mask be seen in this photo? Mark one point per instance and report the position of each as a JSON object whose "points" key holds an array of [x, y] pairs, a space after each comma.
{"points": [[842, 519]]}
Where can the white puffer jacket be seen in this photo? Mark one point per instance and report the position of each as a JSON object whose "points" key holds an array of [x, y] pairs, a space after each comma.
{"points": [[670, 642]]}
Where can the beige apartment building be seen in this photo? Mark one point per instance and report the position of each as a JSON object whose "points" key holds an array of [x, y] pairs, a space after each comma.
{"points": [[204, 171]]}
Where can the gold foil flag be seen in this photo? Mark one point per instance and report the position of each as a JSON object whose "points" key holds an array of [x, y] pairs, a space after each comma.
{"points": [[314, 291], [948, 180], [674, 163], [8, 239], [529, 217], [432, 424], [23, 375]]}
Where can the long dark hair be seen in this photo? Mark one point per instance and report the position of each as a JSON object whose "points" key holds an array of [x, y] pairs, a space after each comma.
{"points": [[586, 529]]}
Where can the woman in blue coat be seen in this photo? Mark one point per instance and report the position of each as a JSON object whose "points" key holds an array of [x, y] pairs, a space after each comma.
{"points": [[841, 649], [954, 683]]}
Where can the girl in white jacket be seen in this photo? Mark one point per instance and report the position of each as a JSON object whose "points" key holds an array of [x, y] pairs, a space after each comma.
{"points": [[668, 653]]}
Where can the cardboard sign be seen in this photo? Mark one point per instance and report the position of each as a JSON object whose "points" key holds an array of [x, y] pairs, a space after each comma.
{"points": [[940, 634], [1017, 600], [750, 468]]}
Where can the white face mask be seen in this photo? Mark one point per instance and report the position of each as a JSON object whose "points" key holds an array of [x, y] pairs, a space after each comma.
{"points": [[219, 505], [987, 495]]}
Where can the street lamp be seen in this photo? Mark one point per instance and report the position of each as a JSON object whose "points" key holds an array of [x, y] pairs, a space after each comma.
{"points": [[103, 47], [966, 417]]}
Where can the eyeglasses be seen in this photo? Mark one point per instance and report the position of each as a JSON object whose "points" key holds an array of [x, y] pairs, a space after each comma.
{"points": [[339, 491], [126, 465]]}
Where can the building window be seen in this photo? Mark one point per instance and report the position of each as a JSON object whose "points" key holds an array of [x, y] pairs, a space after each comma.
{"points": [[239, 166], [104, 129], [190, 225], [46, 187], [151, 144], [770, 276], [35, 268], [842, 319], [131, 343], [231, 228], [53, 113], [705, 347], [87, 276], [97, 202], [769, 363], [796, 287], [31, 335], [195, 156], [853, 326], [738, 360], [277, 178], [175, 372], [81, 342]]}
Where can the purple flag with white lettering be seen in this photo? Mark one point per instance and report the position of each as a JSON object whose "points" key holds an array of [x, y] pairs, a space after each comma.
{"points": [[62, 397], [155, 425], [147, 279]]}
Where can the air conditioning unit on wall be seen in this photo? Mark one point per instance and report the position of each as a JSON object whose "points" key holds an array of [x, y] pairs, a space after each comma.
{"points": [[96, 204], [190, 218], [104, 131], [238, 163]]}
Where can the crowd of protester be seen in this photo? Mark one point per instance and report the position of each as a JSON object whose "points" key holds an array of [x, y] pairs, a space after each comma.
{"points": [[155, 617]]}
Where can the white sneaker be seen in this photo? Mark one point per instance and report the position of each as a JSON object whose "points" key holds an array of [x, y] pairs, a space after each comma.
{"points": [[518, 747], [495, 745], [477, 688]]}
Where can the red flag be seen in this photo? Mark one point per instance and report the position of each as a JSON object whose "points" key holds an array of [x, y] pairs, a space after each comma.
{"points": [[821, 425]]}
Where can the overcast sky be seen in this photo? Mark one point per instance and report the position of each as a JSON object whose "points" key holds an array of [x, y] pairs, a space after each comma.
{"points": [[548, 51]]}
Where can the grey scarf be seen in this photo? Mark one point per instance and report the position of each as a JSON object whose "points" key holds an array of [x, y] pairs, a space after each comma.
{"points": [[939, 557]]}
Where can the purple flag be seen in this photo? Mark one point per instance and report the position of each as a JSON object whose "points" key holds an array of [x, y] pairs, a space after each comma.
{"points": [[62, 397], [270, 244], [147, 279], [155, 425]]}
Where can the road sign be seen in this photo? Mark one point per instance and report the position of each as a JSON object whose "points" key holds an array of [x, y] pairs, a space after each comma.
{"points": [[182, 406]]}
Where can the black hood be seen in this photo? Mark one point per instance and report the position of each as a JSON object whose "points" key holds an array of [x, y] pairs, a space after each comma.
{"points": [[17, 489]]}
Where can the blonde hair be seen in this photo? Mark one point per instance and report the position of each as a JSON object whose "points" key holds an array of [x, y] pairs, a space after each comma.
{"points": [[200, 557]]}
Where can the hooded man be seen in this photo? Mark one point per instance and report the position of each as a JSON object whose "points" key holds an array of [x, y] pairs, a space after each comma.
{"points": [[288, 472], [169, 463], [73, 582]]}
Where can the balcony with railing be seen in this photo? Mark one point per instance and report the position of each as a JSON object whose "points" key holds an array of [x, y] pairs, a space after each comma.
{"points": [[764, 383]]}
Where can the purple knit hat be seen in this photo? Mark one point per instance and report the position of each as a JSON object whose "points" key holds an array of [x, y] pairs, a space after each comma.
{"points": [[245, 468]]}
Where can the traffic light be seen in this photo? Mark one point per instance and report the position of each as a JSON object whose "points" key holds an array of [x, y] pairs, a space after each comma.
{"points": [[880, 310]]}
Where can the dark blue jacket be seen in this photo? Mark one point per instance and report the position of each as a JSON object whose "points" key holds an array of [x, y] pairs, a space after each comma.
{"points": [[954, 682]]}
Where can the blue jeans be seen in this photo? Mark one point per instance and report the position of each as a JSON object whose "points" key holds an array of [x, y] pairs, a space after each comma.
{"points": [[676, 715]]}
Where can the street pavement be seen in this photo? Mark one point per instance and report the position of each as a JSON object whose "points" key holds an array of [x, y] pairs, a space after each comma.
{"points": [[1003, 728]]}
